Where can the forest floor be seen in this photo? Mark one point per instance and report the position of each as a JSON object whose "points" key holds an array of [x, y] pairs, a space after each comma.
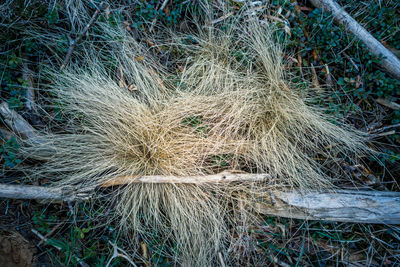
{"points": [[35, 34]]}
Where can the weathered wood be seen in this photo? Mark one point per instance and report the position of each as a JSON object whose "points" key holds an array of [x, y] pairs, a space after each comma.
{"points": [[30, 90], [44, 193], [389, 61], [17, 123], [223, 177], [341, 206]]}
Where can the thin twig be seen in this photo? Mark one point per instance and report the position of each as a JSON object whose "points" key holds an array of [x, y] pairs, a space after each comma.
{"points": [[73, 43], [44, 239], [145, 252], [382, 129], [30, 91], [221, 259], [118, 252], [48, 234], [215, 21], [164, 4], [373, 136], [45, 193], [315, 77]]}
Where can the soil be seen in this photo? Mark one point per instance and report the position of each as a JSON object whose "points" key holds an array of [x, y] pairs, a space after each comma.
{"points": [[15, 250]]}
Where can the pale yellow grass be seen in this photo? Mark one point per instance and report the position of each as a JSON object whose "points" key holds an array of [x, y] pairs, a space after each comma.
{"points": [[232, 107]]}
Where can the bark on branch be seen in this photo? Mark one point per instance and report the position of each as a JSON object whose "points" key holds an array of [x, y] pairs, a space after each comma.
{"points": [[44, 193], [223, 177], [17, 123], [389, 61], [341, 206]]}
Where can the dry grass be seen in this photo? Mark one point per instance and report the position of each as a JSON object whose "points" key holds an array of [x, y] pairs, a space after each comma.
{"points": [[232, 107]]}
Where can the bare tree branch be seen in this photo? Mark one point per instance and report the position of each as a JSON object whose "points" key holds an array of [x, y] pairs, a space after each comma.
{"points": [[389, 61], [224, 177], [73, 43], [44, 193], [341, 205], [17, 123]]}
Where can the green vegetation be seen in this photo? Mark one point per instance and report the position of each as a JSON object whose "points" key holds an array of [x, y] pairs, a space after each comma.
{"points": [[79, 240], [8, 152], [147, 11], [354, 76]]}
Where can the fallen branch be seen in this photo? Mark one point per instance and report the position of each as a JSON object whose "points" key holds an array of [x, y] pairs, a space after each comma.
{"points": [[163, 5], [224, 177], [17, 123], [389, 61], [341, 205], [30, 91], [73, 43], [44, 193], [387, 103], [222, 18]]}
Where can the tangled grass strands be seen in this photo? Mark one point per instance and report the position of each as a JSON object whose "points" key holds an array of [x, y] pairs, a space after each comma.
{"points": [[232, 108]]}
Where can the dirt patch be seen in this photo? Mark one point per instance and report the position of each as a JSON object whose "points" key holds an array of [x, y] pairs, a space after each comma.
{"points": [[15, 250]]}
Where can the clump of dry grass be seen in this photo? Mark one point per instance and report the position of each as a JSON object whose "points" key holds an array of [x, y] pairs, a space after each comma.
{"points": [[232, 107]]}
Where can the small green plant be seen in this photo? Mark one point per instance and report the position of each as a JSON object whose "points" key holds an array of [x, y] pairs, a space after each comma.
{"points": [[52, 15], [43, 222], [197, 123], [12, 87], [8, 153], [75, 241], [221, 160], [147, 11]]}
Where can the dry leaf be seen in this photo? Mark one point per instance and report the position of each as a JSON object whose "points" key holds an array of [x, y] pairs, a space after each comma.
{"points": [[132, 87]]}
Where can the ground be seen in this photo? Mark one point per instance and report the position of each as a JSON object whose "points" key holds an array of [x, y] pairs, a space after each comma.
{"points": [[34, 34]]}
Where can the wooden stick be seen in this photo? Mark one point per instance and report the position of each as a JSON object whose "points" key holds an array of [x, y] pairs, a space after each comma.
{"points": [[44, 193], [164, 4], [30, 90], [387, 103], [382, 129], [389, 61], [73, 43], [17, 123], [340, 206], [224, 177]]}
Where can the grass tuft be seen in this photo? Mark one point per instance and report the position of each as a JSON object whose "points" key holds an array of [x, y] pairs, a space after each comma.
{"points": [[231, 107]]}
